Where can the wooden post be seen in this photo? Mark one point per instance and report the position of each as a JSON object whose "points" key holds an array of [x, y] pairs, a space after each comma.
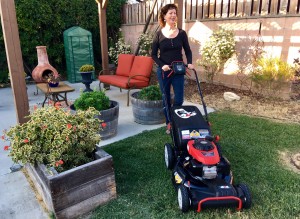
{"points": [[14, 58], [179, 4], [102, 4]]}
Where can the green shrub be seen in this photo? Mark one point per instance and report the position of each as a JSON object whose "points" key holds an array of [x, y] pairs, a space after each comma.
{"points": [[216, 51], [96, 99], [270, 73], [55, 137], [120, 47], [151, 92], [145, 43]]}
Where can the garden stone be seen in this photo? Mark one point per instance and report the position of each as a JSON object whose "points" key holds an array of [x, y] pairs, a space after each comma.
{"points": [[230, 96], [296, 160]]}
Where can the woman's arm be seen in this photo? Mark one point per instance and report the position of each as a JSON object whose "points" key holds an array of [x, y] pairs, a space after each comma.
{"points": [[155, 47], [187, 50]]}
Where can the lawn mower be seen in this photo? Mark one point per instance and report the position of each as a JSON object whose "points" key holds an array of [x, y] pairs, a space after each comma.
{"points": [[200, 173]]}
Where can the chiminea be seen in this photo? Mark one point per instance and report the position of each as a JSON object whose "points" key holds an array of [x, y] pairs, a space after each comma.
{"points": [[43, 68]]}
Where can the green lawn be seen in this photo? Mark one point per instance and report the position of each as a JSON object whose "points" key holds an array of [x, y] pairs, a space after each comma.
{"points": [[252, 145]]}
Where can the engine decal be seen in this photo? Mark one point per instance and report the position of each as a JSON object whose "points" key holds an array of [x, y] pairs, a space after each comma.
{"points": [[208, 154], [185, 134], [195, 134], [203, 133], [184, 114]]}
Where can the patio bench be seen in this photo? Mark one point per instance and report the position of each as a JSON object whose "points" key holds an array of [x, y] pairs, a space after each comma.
{"points": [[133, 72]]}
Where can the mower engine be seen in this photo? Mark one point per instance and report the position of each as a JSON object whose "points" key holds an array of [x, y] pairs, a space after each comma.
{"points": [[204, 158]]}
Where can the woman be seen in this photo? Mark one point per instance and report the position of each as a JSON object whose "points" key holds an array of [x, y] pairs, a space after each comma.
{"points": [[168, 43]]}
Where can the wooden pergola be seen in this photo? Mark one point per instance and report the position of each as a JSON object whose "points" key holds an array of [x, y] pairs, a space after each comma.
{"points": [[14, 53]]}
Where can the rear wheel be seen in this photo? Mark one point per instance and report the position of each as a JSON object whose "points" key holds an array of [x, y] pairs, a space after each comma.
{"points": [[169, 156], [183, 198], [246, 196]]}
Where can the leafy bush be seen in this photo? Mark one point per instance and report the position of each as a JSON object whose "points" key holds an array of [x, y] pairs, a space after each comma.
{"points": [[151, 92], [145, 44], [119, 48], [86, 68], [216, 51], [96, 99], [270, 73], [55, 138]]}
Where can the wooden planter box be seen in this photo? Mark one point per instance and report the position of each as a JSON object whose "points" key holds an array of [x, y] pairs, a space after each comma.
{"points": [[77, 191]]}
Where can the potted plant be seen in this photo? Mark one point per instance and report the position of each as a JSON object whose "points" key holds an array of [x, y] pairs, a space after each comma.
{"points": [[52, 79], [86, 72], [59, 150], [109, 110], [147, 106]]}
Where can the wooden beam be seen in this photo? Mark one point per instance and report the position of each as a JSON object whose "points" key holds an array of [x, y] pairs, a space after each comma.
{"points": [[103, 38], [179, 4], [14, 58]]}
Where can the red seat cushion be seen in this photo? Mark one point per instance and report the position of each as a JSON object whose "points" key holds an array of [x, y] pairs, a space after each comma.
{"points": [[124, 64], [142, 65], [122, 81]]}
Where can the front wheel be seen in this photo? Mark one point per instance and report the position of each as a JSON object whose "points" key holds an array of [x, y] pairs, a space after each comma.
{"points": [[246, 196], [183, 198], [169, 156]]}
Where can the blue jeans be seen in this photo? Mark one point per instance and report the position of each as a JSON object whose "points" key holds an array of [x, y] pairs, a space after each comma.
{"points": [[165, 83]]}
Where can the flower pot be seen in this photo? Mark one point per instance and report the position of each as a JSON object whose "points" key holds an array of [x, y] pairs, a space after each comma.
{"points": [[53, 84], [110, 117], [76, 191], [147, 112], [87, 80]]}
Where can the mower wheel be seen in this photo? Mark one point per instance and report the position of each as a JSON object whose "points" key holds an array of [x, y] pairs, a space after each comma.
{"points": [[169, 156], [246, 196], [183, 198]]}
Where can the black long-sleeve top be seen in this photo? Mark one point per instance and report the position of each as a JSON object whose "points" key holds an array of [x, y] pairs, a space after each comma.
{"points": [[170, 49]]}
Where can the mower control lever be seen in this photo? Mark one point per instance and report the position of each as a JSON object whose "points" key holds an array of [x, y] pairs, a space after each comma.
{"points": [[209, 138]]}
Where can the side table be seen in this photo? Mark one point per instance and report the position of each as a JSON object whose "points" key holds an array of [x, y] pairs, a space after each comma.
{"points": [[56, 94]]}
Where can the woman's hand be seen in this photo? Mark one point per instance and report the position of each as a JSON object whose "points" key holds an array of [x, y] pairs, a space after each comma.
{"points": [[190, 66], [166, 68]]}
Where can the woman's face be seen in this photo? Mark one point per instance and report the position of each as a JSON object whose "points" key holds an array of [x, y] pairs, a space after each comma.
{"points": [[171, 17]]}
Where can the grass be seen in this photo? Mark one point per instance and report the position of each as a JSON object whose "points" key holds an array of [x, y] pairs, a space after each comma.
{"points": [[252, 145]]}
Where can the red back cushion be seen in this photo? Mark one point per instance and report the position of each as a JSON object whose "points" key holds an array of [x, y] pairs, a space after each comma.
{"points": [[124, 64], [142, 65]]}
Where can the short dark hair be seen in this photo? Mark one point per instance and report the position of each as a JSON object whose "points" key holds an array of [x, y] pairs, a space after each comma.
{"points": [[163, 11]]}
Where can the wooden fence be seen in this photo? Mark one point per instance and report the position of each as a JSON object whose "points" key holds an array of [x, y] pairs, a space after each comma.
{"points": [[213, 9]]}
